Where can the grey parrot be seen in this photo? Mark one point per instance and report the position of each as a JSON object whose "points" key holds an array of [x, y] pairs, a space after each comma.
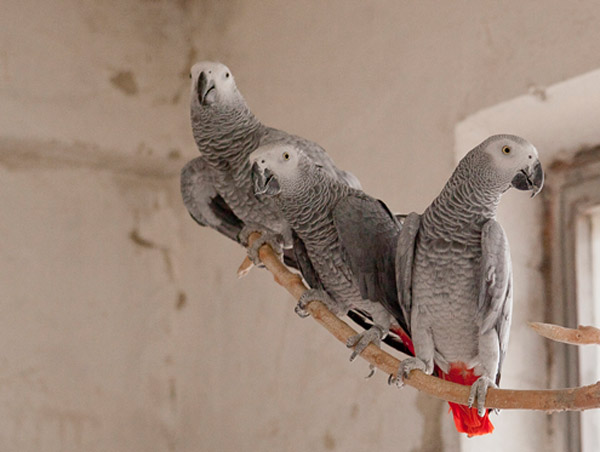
{"points": [[454, 274], [216, 187], [349, 238]]}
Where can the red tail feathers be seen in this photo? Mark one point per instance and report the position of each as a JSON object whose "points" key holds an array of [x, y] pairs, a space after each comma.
{"points": [[405, 338], [466, 419]]}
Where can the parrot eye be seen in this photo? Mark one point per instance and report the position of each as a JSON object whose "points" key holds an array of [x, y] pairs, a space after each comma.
{"points": [[226, 74], [286, 156], [505, 150], [190, 75]]}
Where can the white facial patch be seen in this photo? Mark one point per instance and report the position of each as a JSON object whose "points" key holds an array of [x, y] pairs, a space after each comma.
{"points": [[280, 159], [219, 76]]}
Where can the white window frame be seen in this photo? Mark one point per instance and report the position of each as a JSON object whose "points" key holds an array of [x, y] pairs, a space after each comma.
{"points": [[573, 189]]}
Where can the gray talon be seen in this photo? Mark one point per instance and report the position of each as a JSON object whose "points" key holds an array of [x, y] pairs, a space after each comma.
{"points": [[274, 240], [319, 295], [471, 399], [406, 366], [312, 295], [299, 309], [478, 392], [304, 300], [362, 340], [396, 380], [372, 369], [244, 234]]}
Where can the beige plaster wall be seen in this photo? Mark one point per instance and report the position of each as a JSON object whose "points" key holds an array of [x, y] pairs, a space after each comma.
{"points": [[123, 325]]}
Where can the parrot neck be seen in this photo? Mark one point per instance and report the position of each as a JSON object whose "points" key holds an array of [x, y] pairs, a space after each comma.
{"points": [[226, 136], [465, 204], [307, 201]]}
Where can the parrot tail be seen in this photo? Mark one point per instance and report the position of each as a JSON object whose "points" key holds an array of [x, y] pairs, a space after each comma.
{"points": [[466, 419]]}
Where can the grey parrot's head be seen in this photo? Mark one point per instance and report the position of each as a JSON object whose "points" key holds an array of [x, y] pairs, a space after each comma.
{"points": [[276, 166], [511, 161], [212, 83]]}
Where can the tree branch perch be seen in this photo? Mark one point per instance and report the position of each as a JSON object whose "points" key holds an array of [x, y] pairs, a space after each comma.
{"points": [[570, 399], [582, 335]]}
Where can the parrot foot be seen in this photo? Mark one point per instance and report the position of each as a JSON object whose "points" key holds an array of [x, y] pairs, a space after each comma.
{"points": [[275, 241], [316, 295], [372, 336], [478, 392], [372, 370], [244, 235], [406, 367]]}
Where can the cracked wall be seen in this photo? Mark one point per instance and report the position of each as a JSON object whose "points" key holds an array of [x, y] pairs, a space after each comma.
{"points": [[123, 325]]}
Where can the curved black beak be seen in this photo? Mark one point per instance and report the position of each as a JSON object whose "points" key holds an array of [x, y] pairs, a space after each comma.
{"points": [[205, 85], [531, 178], [264, 181]]}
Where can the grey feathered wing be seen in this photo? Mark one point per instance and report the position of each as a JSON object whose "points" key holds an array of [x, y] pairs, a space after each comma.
{"points": [[361, 318], [304, 264], [496, 289], [203, 202], [405, 252], [368, 233]]}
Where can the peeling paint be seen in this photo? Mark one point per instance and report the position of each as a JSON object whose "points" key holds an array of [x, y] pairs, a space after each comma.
{"points": [[142, 242], [125, 82], [329, 441], [174, 154], [181, 301], [135, 237], [354, 411], [23, 155]]}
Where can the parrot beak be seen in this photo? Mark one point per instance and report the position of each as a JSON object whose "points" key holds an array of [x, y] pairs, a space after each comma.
{"points": [[264, 181], [205, 86], [530, 178]]}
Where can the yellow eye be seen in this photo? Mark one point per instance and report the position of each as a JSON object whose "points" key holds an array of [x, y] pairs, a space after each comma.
{"points": [[505, 150], [286, 156]]}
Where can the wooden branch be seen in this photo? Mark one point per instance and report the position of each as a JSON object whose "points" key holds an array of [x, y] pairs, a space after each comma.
{"points": [[580, 336], [571, 399]]}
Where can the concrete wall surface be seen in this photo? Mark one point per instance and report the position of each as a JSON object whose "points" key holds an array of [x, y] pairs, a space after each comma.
{"points": [[123, 325]]}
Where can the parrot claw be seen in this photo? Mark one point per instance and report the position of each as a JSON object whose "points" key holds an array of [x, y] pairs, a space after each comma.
{"points": [[301, 312], [244, 235], [362, 340], [372, 370], [478, 392], [315, 295], [406, 366], [275, 241]]}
